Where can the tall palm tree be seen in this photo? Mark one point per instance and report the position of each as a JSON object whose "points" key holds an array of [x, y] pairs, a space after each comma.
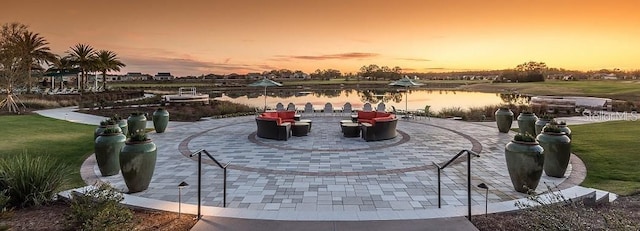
{"points": [[83, 57], [107, 61], [62, 65], [34, 51]]}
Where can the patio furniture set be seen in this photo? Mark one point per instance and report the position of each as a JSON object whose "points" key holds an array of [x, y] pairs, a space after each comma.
{"points": [[370, 125]]}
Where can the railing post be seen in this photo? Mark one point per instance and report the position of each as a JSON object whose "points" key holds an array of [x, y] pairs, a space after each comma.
{"points": [[469, 154], [439, 191], [469, 185], [199, 183], [224, 188]]}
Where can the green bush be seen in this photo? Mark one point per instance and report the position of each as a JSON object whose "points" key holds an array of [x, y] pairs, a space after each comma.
{"points": [[99, 209], [555, 212], [4, 201], [32, 180], [452, 112]]}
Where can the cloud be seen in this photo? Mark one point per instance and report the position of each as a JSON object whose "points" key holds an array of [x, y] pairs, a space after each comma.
{"points": [[416, 59], [186, 66], [351, 55]]}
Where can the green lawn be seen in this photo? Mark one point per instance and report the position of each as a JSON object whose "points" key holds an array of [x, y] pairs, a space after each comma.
{"points": [[68, 142], [617, 89], [610, 152]]}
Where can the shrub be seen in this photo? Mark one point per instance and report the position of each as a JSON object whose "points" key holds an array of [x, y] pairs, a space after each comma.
{"points": [[554, 212], [99, 209], [526, 137], [138, 136], [32, 180], [552, 129], [452, 112], [4, 201]]}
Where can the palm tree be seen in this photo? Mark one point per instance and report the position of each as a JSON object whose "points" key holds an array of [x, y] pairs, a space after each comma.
{"points": [[107, 61], [62, 65], [34, 51], [83, 57]]}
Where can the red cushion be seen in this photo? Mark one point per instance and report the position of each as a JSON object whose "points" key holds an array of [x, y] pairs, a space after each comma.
{"points": [[382, 114], [270, 114], [287, 114], [380, 119], [366, 115]]}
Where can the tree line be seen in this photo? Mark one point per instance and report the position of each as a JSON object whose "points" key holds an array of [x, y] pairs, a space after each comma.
{"points": [[24, 53]]}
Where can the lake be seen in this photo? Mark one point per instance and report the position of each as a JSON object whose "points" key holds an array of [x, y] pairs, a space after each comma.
{"points": [[417, 99]]}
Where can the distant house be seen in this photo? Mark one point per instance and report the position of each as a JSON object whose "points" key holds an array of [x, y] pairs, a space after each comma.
{"points": [[163, 76], [610, 76], [135, 76]]}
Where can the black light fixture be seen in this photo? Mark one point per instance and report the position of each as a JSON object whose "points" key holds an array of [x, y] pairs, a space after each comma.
{"points": [[486, 196], [180, 187]]}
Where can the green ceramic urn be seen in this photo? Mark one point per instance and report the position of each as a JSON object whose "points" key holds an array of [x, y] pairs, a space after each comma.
{"points": [[107, 151], [524, 162], [102, 127], [557, 151], [136, 122], [160, 120], [527, 123], [137, 162], [123, 126], [504, 119], [540, 123], [565, 129]]}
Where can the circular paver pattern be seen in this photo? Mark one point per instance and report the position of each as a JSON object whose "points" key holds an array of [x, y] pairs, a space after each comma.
{"points": [[326, 172], [326, 152]]}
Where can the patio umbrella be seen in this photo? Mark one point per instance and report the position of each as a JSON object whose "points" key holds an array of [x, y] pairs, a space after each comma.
{"points": [[265, 83], [405, 82]]}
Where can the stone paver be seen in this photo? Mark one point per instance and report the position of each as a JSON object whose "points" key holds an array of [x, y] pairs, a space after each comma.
{"points": [[326, 172]]}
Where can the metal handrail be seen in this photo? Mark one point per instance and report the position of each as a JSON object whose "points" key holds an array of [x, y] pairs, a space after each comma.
{"points": [[469, 154], [223, 167]]}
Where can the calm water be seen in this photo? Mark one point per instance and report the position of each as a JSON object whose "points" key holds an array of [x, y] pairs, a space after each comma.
{"points": [[417, 99]]}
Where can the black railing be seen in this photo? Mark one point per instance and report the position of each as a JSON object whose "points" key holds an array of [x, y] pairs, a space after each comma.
{"points": [[224, 187], [469, 154]]}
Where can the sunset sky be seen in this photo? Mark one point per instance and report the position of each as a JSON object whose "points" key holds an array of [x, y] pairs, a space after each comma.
{"points": [[201, 36]]}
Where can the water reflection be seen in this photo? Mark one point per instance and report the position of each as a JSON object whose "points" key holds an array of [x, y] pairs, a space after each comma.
{"points": [[418, 99]]}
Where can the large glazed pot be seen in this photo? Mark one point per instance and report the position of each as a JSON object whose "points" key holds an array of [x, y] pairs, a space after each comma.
{"points": [[565, 129], [137, 162], [107, 151], [527, 123], [524, 162], [160, 120], [540, 123], [136, 122], [101, 128], [504, 119], [557, 151], [123, 126]]}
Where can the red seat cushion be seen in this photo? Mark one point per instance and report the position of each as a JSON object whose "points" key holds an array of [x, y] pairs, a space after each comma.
{"points": [[366, 115], [270, 114], [380, 119], [287, 114], [382, 114]]}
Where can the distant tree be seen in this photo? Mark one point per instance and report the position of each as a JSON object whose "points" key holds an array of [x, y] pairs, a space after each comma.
{"points": [[107, 61], [33, 51], [526, 72], [83, 56]]}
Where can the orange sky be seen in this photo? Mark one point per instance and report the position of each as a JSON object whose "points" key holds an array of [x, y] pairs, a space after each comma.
{"points": [[201, 36]]}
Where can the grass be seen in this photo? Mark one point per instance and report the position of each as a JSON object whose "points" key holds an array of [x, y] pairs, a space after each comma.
{"points": [[70, 143], [610, 153], [617, 89]]}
